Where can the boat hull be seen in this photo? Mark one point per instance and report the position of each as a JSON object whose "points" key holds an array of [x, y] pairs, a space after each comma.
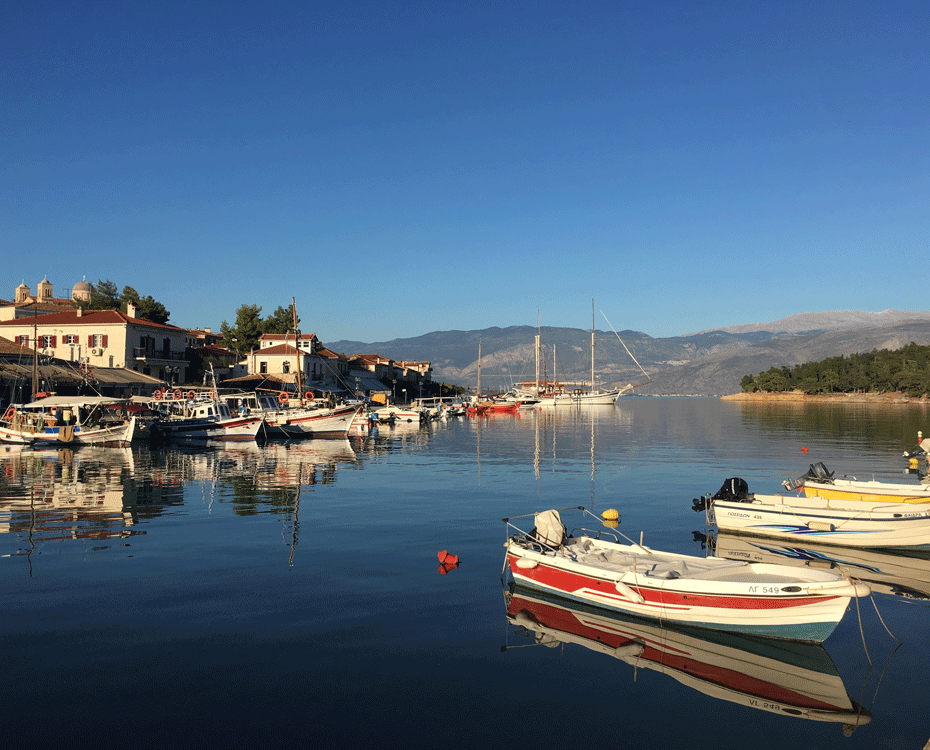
{"points": [[766, 600], [240, 429], [842, 522], [868, 491], [56, 437]]}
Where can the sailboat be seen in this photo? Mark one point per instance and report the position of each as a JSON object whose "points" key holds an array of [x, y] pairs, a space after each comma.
{"points": [[591, 396]]}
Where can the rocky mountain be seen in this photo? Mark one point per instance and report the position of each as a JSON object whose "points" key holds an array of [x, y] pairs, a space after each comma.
{"points": [[705, 363]]}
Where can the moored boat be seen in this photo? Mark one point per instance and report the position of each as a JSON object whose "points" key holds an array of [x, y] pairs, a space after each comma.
{"points": [[283, 420], [820, 481], [68, 420], [791, 679], [852, 523], [755, 599], [203, 418]]}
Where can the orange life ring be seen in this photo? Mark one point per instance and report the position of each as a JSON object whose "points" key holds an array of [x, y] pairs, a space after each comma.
{"points": [[158, 394], [9, 414], [283, 398], [177, 394], [309, 395], [190, 395], [212, 394]]}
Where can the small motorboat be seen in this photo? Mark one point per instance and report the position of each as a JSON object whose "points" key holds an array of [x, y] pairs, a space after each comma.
{"points": [[821, 482], [847, 522], [593, 566]]}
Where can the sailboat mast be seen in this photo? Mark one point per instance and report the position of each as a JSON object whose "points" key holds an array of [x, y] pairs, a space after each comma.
{"points": [[592, 346], [537, 352], [300, 385], [35, 349], [478, 396]]}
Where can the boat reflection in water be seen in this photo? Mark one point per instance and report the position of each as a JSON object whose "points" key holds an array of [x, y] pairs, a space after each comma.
{"points": [[783, 677], [887, 572]]}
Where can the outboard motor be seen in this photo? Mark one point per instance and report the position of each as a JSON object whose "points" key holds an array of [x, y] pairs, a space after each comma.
{"points": [[816, 471], [733, 490]]}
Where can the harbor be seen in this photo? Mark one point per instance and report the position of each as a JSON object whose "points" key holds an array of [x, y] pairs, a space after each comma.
{"points": [[304, 575]]}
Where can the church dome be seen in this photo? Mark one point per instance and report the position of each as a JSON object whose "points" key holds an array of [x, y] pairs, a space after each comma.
{"points": [[82, 290]]}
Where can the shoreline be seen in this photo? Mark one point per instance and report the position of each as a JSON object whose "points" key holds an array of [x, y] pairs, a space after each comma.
{"points": [[830, 398]]}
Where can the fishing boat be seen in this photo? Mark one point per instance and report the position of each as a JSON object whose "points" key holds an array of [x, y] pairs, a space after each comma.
{"points": [[754, 599], [820, 481], [893, 572], [852, 523], [310, 419], [69, 420], [798, 680], [201, 417]]}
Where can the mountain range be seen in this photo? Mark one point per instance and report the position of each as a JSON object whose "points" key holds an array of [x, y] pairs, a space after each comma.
{"points": [[705, 363]]}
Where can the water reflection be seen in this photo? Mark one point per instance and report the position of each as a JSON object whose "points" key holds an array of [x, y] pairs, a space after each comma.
{"points": [[781, 677], [906, 575]]}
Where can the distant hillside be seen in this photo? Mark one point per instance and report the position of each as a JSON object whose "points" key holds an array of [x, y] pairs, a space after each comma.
{"points": [[705, 363]]}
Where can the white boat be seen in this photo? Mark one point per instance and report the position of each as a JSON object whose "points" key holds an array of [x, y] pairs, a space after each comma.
{"points": [[589, 396], [311, 419], [820, 481], [773, 601], [851, 523], [68, 420], [203, 417], [796, 680]]}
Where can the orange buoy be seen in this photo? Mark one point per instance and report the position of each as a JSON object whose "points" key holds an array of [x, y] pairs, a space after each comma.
{"points": [[803, 449], [446, 559], [190, 395], [283, 398], [157, 395], [309, 395], [9, 414], [177, 394]]}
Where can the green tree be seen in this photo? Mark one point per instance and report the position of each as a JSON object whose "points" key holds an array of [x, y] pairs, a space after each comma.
{"points": [[280, 321], [243, 337]]}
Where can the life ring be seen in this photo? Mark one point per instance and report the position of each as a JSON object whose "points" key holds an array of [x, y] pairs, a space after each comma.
{"points": [[283, 398], [190, 395], [309, 395], [212, 394], [9, 414], [158, 394], [177, 394]]}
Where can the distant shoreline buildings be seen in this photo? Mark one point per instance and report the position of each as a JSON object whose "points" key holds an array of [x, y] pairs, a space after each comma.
{"points": [[127, 354]]}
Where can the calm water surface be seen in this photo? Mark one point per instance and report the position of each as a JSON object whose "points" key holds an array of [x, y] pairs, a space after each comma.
{"points": [[289, 594]]}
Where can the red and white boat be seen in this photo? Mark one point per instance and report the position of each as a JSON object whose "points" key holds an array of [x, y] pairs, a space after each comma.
{"points": [[758, 599], [309, 420], [199, 417], [798, 680]]}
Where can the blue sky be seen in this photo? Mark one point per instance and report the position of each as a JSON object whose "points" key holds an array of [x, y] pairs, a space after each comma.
{"points": [[406, 167]]}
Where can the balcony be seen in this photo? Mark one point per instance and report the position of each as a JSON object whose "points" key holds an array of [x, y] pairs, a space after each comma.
{"points": [[154, 356]]}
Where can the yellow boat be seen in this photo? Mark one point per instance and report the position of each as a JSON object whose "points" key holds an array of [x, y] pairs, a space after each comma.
{"points": [[820, 482]]}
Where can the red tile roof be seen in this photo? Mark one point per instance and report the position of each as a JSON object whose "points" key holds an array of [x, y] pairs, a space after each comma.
{"points": [[90, 317]]}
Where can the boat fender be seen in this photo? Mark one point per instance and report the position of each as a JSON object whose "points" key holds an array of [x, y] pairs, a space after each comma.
{"points": [[526, 564], [9, 414], [629, 593], [610, 515]]}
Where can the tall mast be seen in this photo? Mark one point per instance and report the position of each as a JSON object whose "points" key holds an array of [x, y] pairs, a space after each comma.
{"points": [[300, 385], [537, 352], [592, 346], [478, 398], [35, 349]]}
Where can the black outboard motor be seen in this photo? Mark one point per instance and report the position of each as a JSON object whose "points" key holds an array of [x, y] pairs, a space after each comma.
{"points": [[816, 471], [733, 490]]}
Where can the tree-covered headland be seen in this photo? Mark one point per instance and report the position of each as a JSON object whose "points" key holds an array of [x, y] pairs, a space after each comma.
{"points": [[880, 371]]}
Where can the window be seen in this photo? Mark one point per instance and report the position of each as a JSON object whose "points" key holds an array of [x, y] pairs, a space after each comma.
{"points": [[71, 339], [48, 342], [263, 368], [286, 367], [22, 340]]}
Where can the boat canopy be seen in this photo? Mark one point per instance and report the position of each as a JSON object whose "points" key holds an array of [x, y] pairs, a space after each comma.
{"points": [[58, 402]]}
